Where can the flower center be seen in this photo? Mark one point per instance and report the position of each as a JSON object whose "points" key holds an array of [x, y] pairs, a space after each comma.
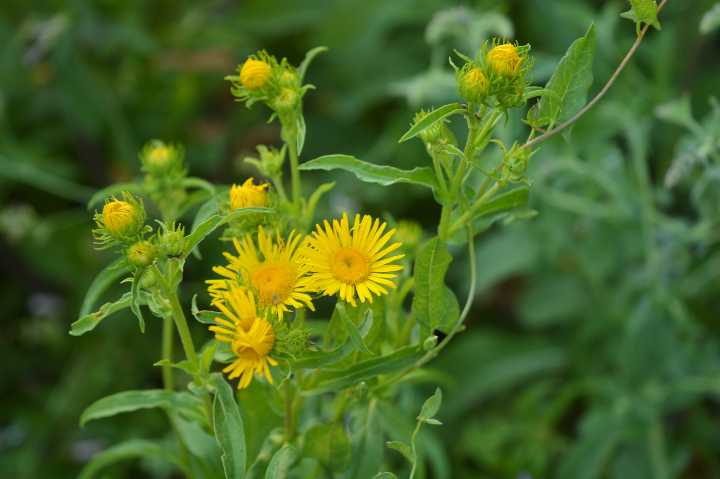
{"points": [[350, 266], [274, 282]]}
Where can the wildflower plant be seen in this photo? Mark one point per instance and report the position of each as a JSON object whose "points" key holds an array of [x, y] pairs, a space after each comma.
{"points": [[314, 327]]}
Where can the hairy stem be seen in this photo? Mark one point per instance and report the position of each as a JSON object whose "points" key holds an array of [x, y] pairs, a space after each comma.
{"points": [[167, 353], [550, 133]]}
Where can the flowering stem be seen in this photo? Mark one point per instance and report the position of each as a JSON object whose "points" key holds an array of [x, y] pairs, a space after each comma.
{"points": [[289, 135], [550, 133], [167, 353], [467, 216], [183, 330]]}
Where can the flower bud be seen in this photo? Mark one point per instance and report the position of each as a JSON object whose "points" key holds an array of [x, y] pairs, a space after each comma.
{"points": [[141, 253], [473, 85], [248, 195], [158, 158], [171, 241], [504, 60], [255, 74], [123, 218], [430, 342], [286, 100], [288, 79]]}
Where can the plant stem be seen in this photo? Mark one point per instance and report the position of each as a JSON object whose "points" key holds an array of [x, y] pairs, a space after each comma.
{"points": [[550, 133], [183, 330], [289, 135], [467, 216], [289, 413], [414, 450], [167, 353]]}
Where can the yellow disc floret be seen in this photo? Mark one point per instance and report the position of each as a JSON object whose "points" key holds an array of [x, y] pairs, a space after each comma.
{"points": [[504, 59], [248, 195], [251, 338], [121, 218], [255, 74], [272, 269], [353, 261]]}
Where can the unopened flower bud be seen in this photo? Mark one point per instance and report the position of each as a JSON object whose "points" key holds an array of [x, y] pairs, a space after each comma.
{"points": [[248, 195], [430, 342], [504, 60], [141, 253], [122, 218], [473, 85], [288, 79], [255, 74], [172, 241], [286, 100]]}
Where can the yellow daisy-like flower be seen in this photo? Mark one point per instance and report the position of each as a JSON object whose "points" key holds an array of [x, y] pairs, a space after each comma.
{"points": [[504, 59], [349, 261], [272, 270], [121, 218], [254, 74], [251, 338], [248, 195]]}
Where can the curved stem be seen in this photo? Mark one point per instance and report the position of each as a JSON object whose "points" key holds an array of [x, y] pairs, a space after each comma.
{"points": [[601, 93]]}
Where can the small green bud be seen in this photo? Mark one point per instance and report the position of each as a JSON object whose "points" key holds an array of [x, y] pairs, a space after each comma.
{"points": [[288, 79], [430, 342], [141, 253], [171, 241], [270, 164], [286, 100], [158, 158]]}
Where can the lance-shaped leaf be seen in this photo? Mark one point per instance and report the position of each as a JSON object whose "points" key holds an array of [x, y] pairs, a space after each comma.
{"points": [[281, 462], [569, 84], [213, 222], [128, 401], [90, 321], [309, 57], [135, 448], [430, 119], [429, 302], [101, 283], [371, 173], [334, 380], [229, 430]]}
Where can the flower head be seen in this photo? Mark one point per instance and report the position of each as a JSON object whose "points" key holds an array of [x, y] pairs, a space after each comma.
{"points": [[504, 59], [352, 261], [251, 338], [473, 84], [248, 195], [254, 74], [272, 270], [121, 218]]}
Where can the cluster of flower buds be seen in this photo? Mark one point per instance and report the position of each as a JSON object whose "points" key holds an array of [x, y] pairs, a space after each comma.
{"points": [[263, 78], [270, 161], [437, 137], [499, 71], [515, 163], [164, 169]]}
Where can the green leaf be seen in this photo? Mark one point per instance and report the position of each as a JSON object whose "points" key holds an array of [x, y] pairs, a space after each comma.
{"points": [[183, 365], [128, 401], [229, 431], [202, 315], [193, 182], [135, 448], [384, 475], [135, 299], [318, 359], [202, 230], [333, 380], [301, 132], [371, 173], [509, 200], [601, 433], [367, 442], [352, 328], [112, 190], [451, 309], [101, 283], [431, 265], [90, 321], [711, 20], [315, 198], [309, 57], [570, 84], [430, 119], [23, 170], [281, 462], [329, 444], [643, 11], [402, 448], [431, 406]]}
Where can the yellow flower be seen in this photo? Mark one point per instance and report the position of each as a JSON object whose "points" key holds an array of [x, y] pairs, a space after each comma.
{"points": [[274, 273], [474, 85], [251, 338], [254, 74], [349, 261], [121, 218], [504, 59], [248, 195]]}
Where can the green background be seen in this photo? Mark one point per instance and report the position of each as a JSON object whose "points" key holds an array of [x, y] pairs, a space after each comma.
{"points": [[592, 349]]}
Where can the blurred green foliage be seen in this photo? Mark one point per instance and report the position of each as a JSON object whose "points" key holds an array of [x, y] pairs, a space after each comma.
{"points": [[593, 349]]}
